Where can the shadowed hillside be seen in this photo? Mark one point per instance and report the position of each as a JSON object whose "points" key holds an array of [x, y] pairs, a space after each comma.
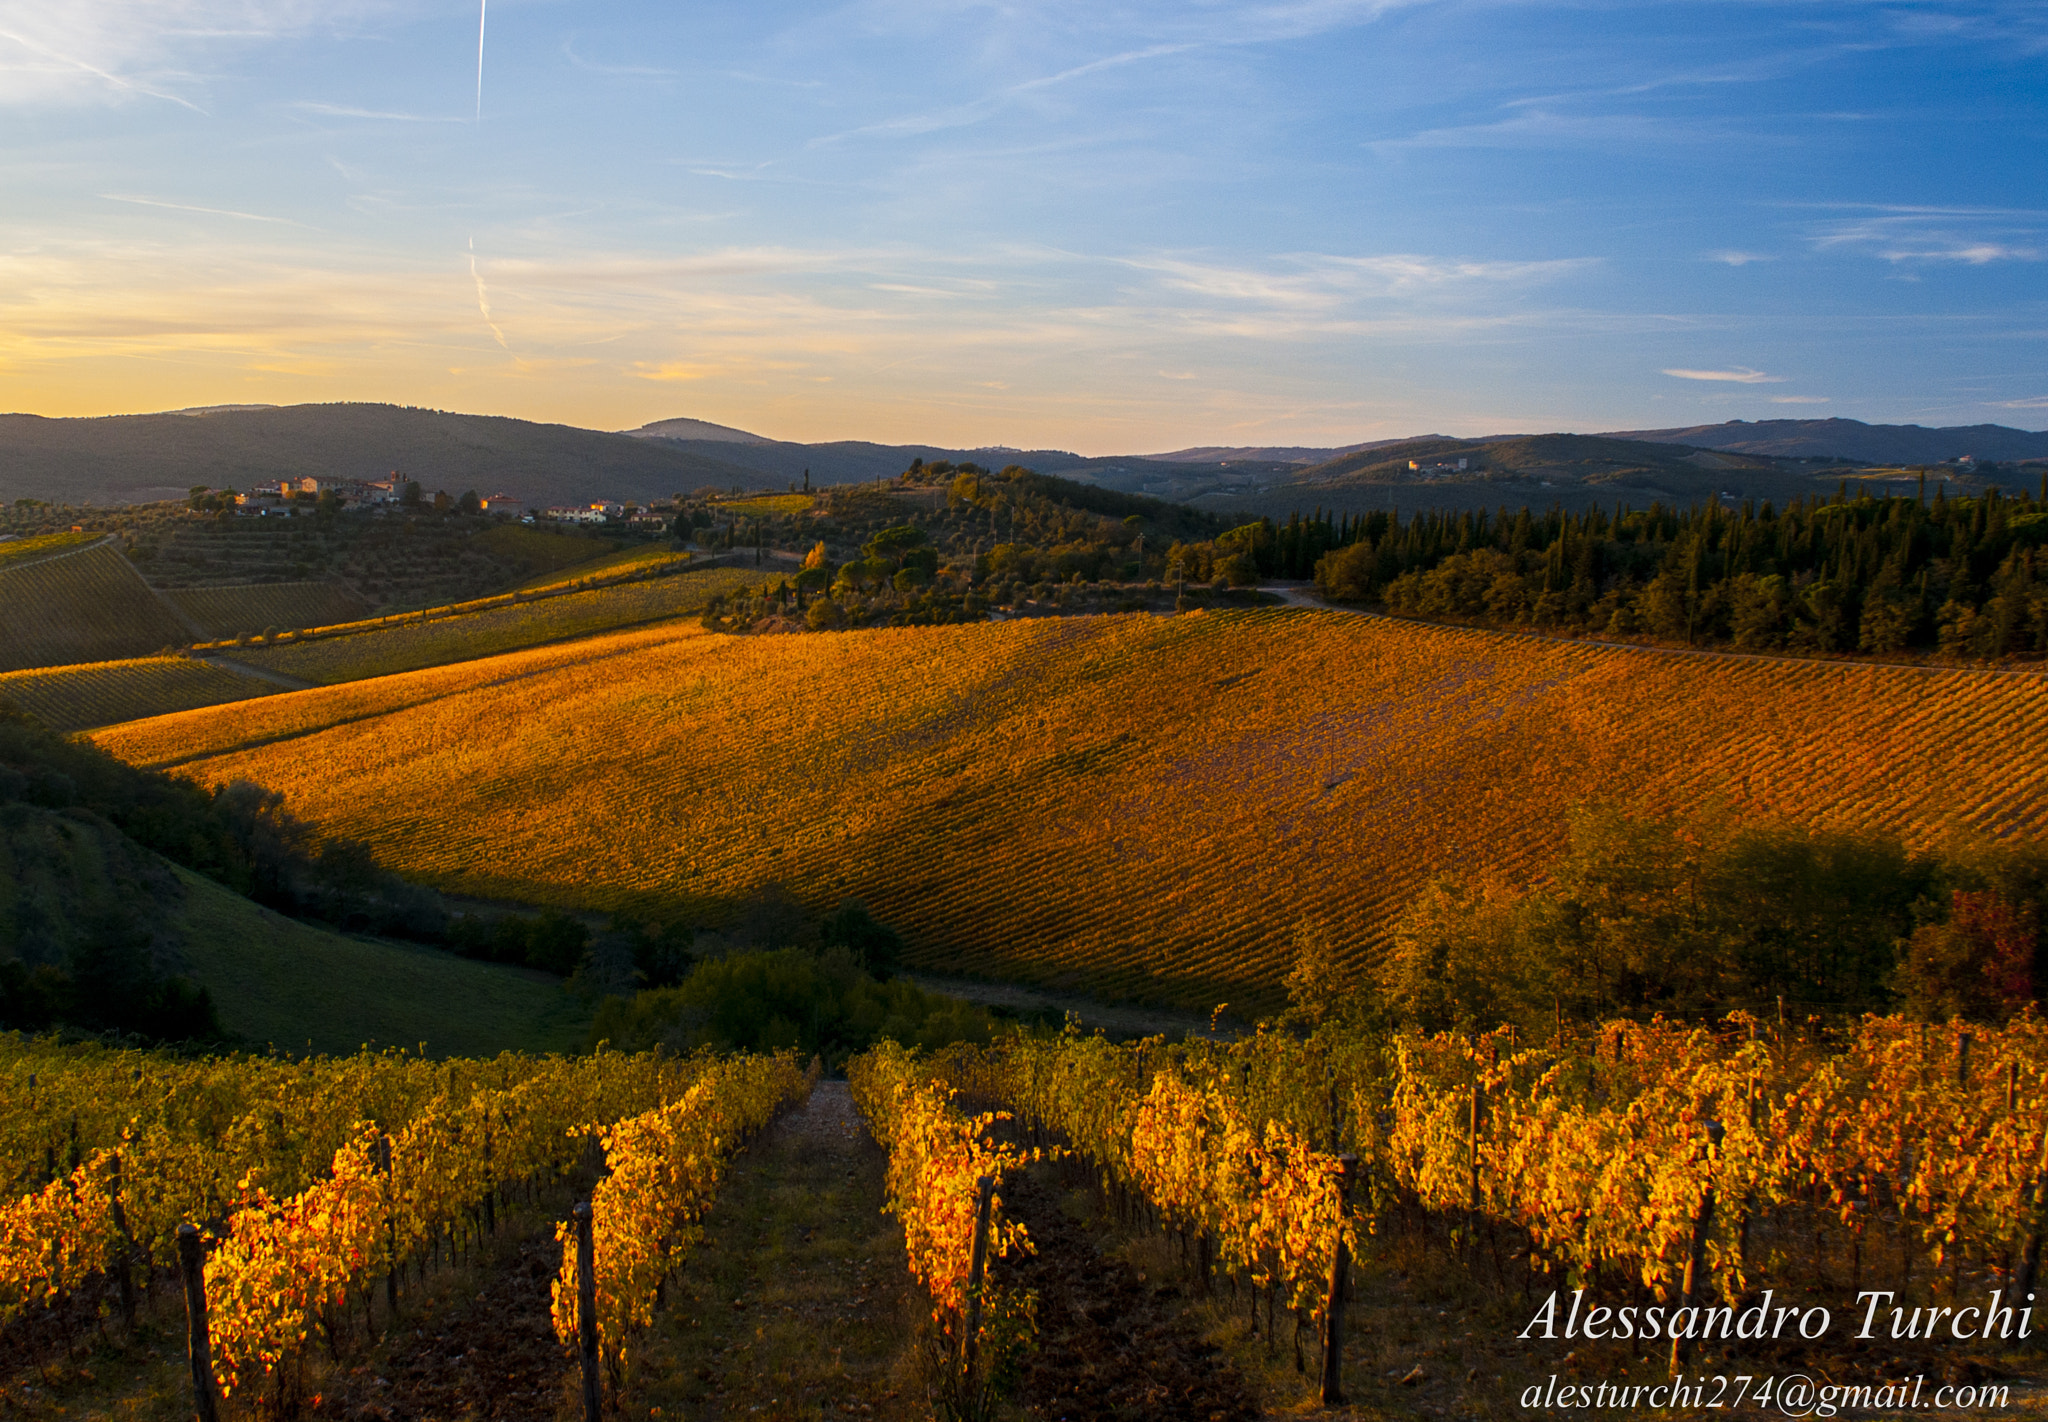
{"points": [[1142, 806]]}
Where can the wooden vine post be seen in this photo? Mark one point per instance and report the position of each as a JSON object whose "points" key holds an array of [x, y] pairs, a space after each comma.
{"points": [[390, 1233], [1696, 1257], [977, 1266], [1472, 1175], [1340, 1279], [198, 1346], [124, 1252], [586, 1311]]}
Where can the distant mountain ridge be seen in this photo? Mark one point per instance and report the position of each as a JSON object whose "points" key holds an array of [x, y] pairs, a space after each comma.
{"points": [[137, 458], [1854, 440], [1780, 439], [131, 458]]}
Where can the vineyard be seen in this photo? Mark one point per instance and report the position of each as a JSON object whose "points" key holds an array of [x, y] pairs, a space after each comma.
{"points": [[19, 552], [1674, 1172], [83, 604], [251, 608], [411, 643], [1141, 806], [317, 1209], [297, 1197], [645, 558], [76, 698]]}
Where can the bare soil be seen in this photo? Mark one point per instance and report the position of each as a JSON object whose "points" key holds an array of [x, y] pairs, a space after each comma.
{"points": [[1113, 1344]]}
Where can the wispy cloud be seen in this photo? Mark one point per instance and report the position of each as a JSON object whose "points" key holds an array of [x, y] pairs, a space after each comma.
{"points": [[1914, 236], [672, 370], [208, 211], [977, 110], [1741, 375], [1543, 128], [483, 297], [60, 67], [624, 71], [1799, 400], [1739, 259], [90, 51], [2032, 402], [1320, 280], [391, 115]]}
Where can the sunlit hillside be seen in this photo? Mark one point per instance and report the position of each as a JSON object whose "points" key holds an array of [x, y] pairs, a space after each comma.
{"points": [[1140, 805]]}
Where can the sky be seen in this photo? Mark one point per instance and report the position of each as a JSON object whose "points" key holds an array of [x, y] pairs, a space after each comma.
{"points": [[1108, 226]]}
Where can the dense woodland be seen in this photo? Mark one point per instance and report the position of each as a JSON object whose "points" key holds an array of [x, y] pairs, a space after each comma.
{"points": [[1849, 574], [1701, 917]]}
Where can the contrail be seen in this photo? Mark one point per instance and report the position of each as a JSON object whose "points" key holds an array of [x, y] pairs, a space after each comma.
{"points": [[483, 298], [482, 13]]}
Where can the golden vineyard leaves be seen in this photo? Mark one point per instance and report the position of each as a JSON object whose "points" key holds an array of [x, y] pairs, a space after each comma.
{"points": [[1142, 805], [312, 1176], [663, 1169], [1602, 1149], [938, 1155]]}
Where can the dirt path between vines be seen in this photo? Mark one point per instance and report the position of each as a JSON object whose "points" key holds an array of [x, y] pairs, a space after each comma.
{"points": [[478, 1346], [1113, 1345], [796, 1304]]}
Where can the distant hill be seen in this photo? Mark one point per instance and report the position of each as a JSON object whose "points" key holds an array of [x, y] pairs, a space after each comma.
{"points": [[696, 429], [1567, 470], [1855, 441], [138, 458], [1266, 453], [846, 461]]}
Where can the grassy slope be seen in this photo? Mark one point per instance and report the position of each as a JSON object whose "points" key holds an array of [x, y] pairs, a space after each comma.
{"points": [[278, 980], [1134, 805]]}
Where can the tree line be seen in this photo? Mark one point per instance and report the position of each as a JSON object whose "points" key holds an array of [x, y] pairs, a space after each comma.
{"points": [[1699, 916], [1848, 573]]}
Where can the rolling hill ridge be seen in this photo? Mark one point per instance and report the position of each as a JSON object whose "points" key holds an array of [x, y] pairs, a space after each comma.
{"points": [[1143, 807]]}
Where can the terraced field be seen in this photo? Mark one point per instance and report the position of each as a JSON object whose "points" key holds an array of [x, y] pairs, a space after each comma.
{"points": [[1137, 805], [249, 608], [409, 646], [77, 698], [83, 603]]}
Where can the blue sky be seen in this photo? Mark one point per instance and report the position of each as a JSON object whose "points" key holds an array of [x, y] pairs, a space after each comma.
{"points": [[1105, 227]]}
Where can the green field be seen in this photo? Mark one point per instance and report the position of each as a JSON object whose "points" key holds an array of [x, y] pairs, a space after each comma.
{"points": [[411, 646], [276, 980], [249, 608], [82, 604], [78, 698]]}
